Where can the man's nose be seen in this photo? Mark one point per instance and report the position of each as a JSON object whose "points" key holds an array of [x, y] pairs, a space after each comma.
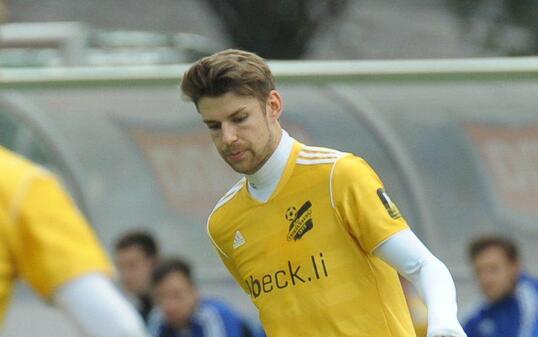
{"points": [[229, 134]]}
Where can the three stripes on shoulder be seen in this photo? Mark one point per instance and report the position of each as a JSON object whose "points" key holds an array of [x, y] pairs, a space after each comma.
{"points": [[309, 155], [312, 155], [231, 193]]}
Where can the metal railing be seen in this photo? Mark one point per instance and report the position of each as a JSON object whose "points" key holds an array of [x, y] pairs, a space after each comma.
{"points": [[521, 68]]}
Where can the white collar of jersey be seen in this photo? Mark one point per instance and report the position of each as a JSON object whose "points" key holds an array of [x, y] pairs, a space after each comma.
{"points": [[263, 183]]}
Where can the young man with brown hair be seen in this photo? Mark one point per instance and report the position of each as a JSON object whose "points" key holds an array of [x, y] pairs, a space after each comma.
{"points": [[309, 232], [512, 296]]}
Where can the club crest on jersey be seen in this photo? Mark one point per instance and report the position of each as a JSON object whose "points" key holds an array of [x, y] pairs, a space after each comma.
{"points": [[300, 221], [390, 206]]}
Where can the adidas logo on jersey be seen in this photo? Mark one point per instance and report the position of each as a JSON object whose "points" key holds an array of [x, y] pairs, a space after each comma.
{"points": [[239, 240]]}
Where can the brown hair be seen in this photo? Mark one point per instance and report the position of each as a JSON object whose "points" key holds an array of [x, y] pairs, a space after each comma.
{"points": [[169, 266], [480, 244], [231, 70], [141, 239]]}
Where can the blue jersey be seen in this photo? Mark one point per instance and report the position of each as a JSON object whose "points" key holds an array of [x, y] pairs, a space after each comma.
{"points": [[212, 318], [513, 316]]}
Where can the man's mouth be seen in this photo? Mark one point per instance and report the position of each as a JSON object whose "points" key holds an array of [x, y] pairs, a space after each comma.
{"points": [[236, 156]]}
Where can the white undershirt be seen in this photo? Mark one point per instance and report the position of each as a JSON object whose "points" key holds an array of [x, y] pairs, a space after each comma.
{"points": [[403, 251], [408, 255], [98, 308], [263, 183]]}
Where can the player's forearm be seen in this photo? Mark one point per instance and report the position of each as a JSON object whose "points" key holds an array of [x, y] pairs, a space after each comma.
{"points": [[98, 308], [406, 253], [436, 287]]}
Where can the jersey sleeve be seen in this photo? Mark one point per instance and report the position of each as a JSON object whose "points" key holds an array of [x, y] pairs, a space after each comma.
{"points": [[56, 243], [362, 203]]}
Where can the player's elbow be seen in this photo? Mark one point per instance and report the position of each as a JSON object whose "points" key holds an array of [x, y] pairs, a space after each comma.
{"points": [[411, 269]]}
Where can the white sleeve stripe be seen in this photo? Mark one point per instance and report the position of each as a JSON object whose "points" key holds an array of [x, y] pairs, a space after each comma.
{"points": [[331, 184], [302, 161], [234, 189], [318, 149], [227, 198], [318, 155]]}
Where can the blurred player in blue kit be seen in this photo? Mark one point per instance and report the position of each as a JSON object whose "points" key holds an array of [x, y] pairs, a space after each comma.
{"points": [[511, 308]]}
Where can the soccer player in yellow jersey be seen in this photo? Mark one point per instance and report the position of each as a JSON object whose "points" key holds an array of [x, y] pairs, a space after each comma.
{"points": [[45, 241], [309, 233]]}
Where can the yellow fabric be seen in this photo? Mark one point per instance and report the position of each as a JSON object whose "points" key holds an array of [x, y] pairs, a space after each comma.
{"points": [[305, 256], [44, 239]]}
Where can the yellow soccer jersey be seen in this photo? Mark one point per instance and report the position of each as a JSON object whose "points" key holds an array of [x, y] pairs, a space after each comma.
{"points": [[305, 256], [43, 237]]}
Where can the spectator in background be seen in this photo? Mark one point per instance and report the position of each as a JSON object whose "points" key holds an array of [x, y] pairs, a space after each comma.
{"points": [[46, 241], [511, 309], [136, 257], [184, 313]]}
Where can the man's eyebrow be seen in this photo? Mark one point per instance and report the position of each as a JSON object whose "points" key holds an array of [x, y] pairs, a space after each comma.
{"points": [[232, 115]]}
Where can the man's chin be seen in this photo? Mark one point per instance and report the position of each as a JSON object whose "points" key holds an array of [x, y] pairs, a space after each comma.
{"points": [[241, 170], [241, 167]]}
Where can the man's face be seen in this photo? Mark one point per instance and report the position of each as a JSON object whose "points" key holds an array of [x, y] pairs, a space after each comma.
{"points": [[177, 298], [135, 268], [496, 273], [244, 130]]}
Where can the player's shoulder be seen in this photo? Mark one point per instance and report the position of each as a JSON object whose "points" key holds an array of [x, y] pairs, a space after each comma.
{"points": [[226, 200], [345, 165], [12, 163], [315, 155], [351, 165], [16, 170]]}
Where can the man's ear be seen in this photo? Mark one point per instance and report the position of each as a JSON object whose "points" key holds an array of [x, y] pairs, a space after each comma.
{"points": [[274, 102]]}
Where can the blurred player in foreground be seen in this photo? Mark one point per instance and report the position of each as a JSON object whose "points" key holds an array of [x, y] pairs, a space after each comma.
{"points": [[45, 241], [309, 233], [512, 296]]}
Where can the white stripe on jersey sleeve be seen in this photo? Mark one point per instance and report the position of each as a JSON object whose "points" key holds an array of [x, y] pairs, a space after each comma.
{"points": [[304, 161], [319, 149], [331, 183], [231, 192], [318, 154]]}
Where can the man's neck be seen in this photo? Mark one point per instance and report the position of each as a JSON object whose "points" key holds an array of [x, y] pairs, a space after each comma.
{"points": [[263, 183]]}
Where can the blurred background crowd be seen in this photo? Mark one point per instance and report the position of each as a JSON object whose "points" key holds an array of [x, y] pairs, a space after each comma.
{"points": [[457, 148]]}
